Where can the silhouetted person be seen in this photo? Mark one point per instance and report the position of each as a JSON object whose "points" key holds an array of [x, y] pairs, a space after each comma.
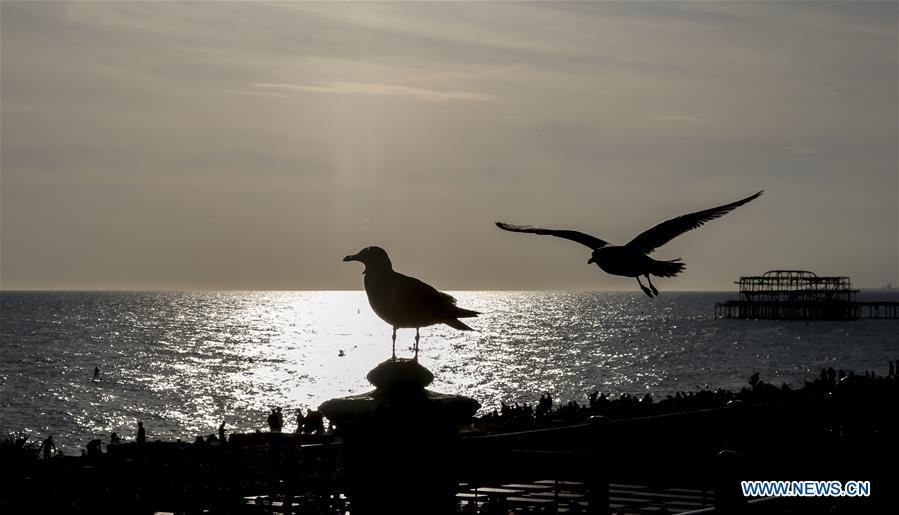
{"points": [[114, 438], [275, 420], [543, 406], [632, 260], [892, 369], [300, 421], [96, 373], [314, 423], [404, 301], [307, 422], [318, 420], [754, 380], [222, 432], [93, 448], [48, 447], [141, 432]]}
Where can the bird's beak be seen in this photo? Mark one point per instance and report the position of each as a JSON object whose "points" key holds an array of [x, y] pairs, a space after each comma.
{"points": [[591, 260], [351, 258]]}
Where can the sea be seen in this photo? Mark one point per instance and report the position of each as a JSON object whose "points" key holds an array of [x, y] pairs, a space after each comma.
{"points": [[183, 363]]}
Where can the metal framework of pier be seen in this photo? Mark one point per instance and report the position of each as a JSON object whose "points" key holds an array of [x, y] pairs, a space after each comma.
{"points": [[800, 295]]}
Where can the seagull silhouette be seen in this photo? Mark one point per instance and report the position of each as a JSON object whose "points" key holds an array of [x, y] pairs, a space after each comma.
{"points": [[404, 301], [632, 260]]}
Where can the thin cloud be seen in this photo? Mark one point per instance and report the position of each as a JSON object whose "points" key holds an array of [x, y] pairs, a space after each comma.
{"points": [[253, 93], [378, 89], [678, 118]]}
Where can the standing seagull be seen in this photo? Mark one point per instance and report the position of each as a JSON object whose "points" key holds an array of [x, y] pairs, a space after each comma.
{"points": [[404, 301], [632, 260]]}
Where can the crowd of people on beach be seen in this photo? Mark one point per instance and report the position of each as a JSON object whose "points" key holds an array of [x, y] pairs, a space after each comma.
{"points": [[310, 423], [518, 417], [548, 413], [313, 422]]}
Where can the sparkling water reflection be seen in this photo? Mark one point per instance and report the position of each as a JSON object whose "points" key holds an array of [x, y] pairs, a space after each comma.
{"points": [[183, 362]]}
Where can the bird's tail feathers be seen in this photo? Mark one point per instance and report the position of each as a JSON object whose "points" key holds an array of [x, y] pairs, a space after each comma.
{"points": [[667, 268], [465, 313], [456, 324]]}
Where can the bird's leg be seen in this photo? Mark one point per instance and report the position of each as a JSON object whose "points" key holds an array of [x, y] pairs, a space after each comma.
{"points": [[644, 288], [651, 286], [416, 344], [394, 343]]}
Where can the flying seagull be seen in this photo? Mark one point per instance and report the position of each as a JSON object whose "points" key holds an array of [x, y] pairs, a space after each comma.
{"points": [[632, 260], [404, 301]]}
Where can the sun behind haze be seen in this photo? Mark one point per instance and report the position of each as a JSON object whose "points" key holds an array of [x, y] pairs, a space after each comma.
{"points": [[230, 145]]}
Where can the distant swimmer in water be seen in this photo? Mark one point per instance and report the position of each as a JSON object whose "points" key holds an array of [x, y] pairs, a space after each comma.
{"points": [[96, 374], [341, 353]]}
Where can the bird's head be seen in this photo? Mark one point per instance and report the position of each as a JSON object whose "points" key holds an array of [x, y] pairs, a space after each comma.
{"points": [[372, 257]]}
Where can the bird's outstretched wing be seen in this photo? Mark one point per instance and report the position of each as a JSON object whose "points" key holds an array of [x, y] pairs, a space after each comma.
{"points": [[666, 231], [584, 239]]}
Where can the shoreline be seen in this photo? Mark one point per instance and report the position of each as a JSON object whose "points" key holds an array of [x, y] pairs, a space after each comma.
{"points": [[547, 413]]}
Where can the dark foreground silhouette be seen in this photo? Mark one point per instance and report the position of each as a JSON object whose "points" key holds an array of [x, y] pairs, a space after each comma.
{"points": [[598, 407], [404, 301], [689, 446], [632, 260]]}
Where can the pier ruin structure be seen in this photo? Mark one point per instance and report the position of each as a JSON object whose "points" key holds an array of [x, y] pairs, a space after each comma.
{"points": [[800, 295]]}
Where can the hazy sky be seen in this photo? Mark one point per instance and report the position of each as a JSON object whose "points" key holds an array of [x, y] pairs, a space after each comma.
{"points": [[208, 145]]}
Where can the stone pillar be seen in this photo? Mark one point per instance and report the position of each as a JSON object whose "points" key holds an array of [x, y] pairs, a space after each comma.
{"points": [[399, 441]]}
